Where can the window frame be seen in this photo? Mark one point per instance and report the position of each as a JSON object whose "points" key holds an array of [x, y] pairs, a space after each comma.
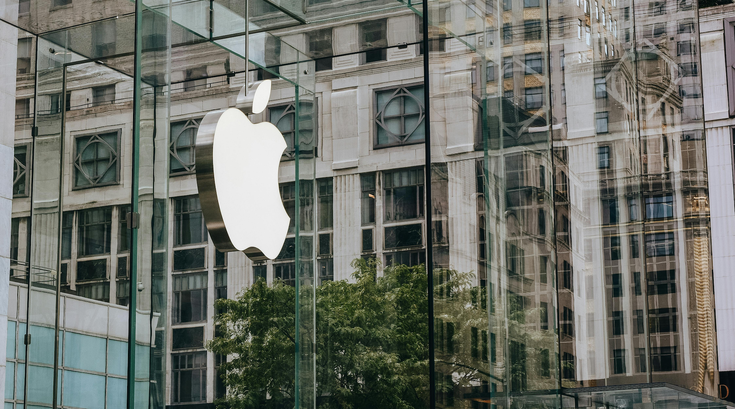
{"points": [[76, 167], [192, 123], [401, 91]]}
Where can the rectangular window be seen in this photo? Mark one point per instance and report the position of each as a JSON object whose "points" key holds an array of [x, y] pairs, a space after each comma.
{"points": [[534, 97], [404, 194], [686, 26], [95, 226], [220, 284], [601, 122], [635, 247], [689, 69], [325, 203], [320, 47], [190, 298], [507, 5], [640, 322], [189, 377], [103, 95], [403, 236], [95, 291], [534, 64], [25, 48], [260, 272], [657, 8], [685, 48], [660, 244], [617, 284], [507, 32], [567, 322], [614, 252], [566, 275], [600, 87], [662, 282], [104, 38], [508, 70], [544, 315], [187, 338], [490, 71], [123, 292], [96, 159], [399, 116], [367, 205], [659, 207], [530, 3], [189, 225], [610, 211], [532, 28], [618, 323], [637, 288], [618, 361], [182, 148], [664, 359], [20, 171], [567, 366], [690, 91], [374, 41], [662, 320], [603, 157]]}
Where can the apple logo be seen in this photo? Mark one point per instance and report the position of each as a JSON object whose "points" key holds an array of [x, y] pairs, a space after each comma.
{"points": [[237, 176]]}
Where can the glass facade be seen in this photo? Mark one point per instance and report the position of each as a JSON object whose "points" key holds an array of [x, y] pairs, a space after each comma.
{"points": [[492, 203]]}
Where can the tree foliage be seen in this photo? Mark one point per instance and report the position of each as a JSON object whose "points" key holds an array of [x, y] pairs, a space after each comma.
{"points": [[371, 337]]}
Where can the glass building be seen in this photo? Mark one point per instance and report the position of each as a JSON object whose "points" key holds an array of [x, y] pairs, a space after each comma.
{"points": [[516, 191]]}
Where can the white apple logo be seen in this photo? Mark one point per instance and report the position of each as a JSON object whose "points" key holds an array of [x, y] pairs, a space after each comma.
{"points": [[237, 176]]}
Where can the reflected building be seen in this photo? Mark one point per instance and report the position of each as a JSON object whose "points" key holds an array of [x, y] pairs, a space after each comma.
{"points": [[567, 176]]}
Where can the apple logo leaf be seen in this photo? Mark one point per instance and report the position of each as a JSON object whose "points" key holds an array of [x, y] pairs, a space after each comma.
{"points": [[237, 176]]}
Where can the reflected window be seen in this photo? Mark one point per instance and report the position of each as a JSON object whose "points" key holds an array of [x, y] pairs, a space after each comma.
{"points": [[530, 3], [532, 28], [534, 97], [634, 209], [122, 292], [507, 33], [14, 238], [490, 71], [25, 49], [103, 37], [508, 70], [320, 48], [374, 40], [657, 8], [660, 244], [325, 194], [95, 226], [196, 79], [610, 211], [190, 298], [60, 3], [617, 284], [22, 108], [618, 323], [284, 118], [404, 194], [601, 122], [603, 157], [507, 5], [94, 291], [662, 282], [399, 117], [183, 146], [103, 95], [260, 272], [689, 69], [20, 171], [635, 249], [659, 207], [534, 64], [685, 48], [686, 26], [662, 320], [24, 7], [566, 324], [600, 87], [367, 206], [664, 359], [189, 377], [96, 159], [306, 204], [618, 361], [189, 227]]}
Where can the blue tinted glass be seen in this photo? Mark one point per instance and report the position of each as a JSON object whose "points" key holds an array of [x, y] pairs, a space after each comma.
{"points": [[42, 347], [9, 405], [40, 380], [21, 333], [83, 390], [20, 384], [142, 361], [9, 377], [116, 393], [141, 394], [10, 349], [117, 357], [85, 352]]}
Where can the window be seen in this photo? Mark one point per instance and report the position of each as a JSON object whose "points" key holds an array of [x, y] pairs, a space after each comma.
{"points": [[320, 47], [662, 282], [662, 320], [659, 244], [507, 33], [609, 211], [94, 291], [567, 322], [284, 118], [103, 95], [260, 272], [686, 26], [618, 323], [566, 275], [567, 366], [123, 234], [183, 146], [220, 284], [507, 5], [657, 8], [637, 288], [534, 98], [618, 361], [640, 322], [20, 171], [659, 207], [603, 157], [189, 377], [195, 79], [690, 91], [614, 252], [14, 238], [617, 284], [399, 118], [689, 69], [22, 108], [508, 69], [96, 159], [532, 28], [367, 205], [374, 40], [25, 48], [189, 227], [404, 194], [103, 37], [490, 71], [60, 3], [635, 247], [95, 226], [534, 64], [685, 48], [190, 298], [600, 87], [325, 203], [530, 3], [24, 7], [544, 315], [601, 122], [633, 209], [664, 359]]}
